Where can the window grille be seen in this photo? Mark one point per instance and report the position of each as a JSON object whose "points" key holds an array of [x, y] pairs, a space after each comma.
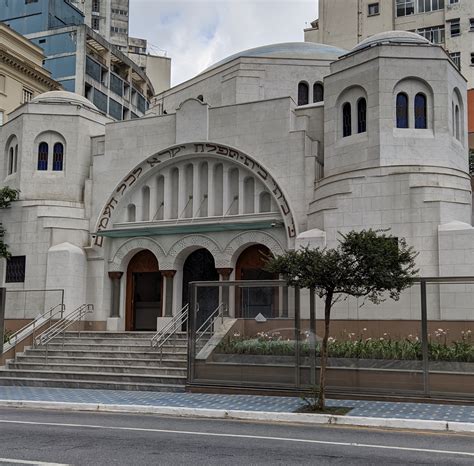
{"points": [[362, 115], [318, 93], [346, 120], [402, 111], [58, 157], [15, 272], [43, 156], [420, 111], [303, 94]]}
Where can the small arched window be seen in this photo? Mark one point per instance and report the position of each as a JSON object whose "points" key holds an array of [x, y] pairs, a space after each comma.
{"points": [[303, 93], [318, 93], [131, 213], [43, 150], [58, 157], [421, 112], [15, 163], [457, 123], [11, 161], [200, 97], [362, 115], [402, 110], [346, 120]]}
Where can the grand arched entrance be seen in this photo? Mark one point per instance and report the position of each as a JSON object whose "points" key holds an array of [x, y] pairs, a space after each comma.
{"points": [[253, 301], [200, 266], [144, 292]]}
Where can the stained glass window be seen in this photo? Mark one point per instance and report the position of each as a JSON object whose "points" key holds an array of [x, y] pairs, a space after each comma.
{"points": [[420, 111], [402, 111], [43, 156]]}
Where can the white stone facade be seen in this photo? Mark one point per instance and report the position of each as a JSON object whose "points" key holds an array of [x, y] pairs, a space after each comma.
{"points": [[229, 160]]}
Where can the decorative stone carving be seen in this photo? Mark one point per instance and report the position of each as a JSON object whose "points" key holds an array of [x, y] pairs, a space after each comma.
{"points": [[126, 250]]}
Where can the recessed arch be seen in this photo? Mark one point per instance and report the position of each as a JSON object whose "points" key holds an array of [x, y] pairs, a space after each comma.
{"points": [[303, 93]]}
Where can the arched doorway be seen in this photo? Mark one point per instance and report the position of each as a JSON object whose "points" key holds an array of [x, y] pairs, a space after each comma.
{"points": [[144, 292], [253, 301], [200, 267]]}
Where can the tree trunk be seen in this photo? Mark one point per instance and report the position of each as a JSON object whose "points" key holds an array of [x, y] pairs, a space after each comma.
{"points": [[324, 353]]}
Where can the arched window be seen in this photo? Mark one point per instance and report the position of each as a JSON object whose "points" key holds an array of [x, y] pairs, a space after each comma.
{"points": [[346, 120], [362, 115], [457, 123], [303, 93], [58, 157], [200, 97], [318, 92], [43, 150], [10, 161], [131, 213], [402, 110], [15, 163], [420, 112]]}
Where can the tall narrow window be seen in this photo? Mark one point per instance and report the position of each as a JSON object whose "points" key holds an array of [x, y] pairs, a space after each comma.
{"points": [[420, 112], [58, 157], [318, 93], [10, 161], [402, 110], [15, 162], [303, 94], [362, 115], [458, 123], [346, 120], [43, 156]]}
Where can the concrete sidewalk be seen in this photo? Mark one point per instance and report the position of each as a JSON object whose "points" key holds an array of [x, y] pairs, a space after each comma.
{"points": [[249, 407]]}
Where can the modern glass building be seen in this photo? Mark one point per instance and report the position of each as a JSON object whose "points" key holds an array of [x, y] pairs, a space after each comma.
{"points": [[80, 59]]}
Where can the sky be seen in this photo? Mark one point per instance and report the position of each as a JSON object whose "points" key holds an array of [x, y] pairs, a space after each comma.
{"points": [[198, 33]]}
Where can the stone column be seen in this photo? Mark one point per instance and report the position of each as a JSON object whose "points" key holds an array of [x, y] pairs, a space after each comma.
{"points": [[153, 199], [115, 309], [197, 195], [168, 276], [182, 191], [210, 190], [241, 192], [167, 195], [224, 274]]}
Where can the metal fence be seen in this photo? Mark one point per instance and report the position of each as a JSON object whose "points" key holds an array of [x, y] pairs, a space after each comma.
{"points": [[421, 345]]}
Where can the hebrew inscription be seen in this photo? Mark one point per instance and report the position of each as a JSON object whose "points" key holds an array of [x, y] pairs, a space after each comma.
{"points": [[186, 150]]}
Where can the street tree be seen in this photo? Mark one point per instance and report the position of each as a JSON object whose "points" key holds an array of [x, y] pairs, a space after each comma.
{"points": [[368, 264], [7, 196]]}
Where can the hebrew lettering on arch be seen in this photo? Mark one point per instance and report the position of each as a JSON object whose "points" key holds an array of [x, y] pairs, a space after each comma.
{"points": [[233, 154], [198, 147], [99, 241], [247, 164], [277, 191], [284, 207], [153, 161], [122, 188], [292, 230], [211, 147], [222, 150], [104, 223], [262, 172], [176, 150], [133, 177], [110, 206]]}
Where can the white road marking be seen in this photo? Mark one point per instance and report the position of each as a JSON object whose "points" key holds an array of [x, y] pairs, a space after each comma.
{"points": [[36, 463], [243, 436]]}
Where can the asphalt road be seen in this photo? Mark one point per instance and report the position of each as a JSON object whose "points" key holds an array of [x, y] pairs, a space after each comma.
{"points": [[47, 437]]}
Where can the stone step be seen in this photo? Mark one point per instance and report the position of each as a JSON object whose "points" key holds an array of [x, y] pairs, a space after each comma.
{"points": [[178, 355], [120, 335], [89, 384], [40, 359], [114, 341], [116, 369], [95, 376], [67, 346]]}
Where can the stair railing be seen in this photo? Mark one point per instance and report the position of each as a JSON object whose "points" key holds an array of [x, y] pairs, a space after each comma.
{"points": [[60, 327], [208, 327], [31, 328], [169, 330]]}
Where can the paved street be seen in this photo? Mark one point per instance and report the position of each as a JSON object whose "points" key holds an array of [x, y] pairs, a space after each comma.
{"points": [[36, 437]]}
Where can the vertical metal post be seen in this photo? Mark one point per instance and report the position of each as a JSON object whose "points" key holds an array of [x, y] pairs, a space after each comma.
{"points": [[191, 330], [424, 338], [62, 303], [312, 337], [297, 338], [3, 294]]}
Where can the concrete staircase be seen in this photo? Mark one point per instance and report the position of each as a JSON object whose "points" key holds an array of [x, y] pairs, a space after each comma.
{"points": [[102, 360]]}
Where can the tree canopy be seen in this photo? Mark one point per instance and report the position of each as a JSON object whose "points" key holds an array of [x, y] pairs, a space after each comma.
{"points": [[7, 196]]}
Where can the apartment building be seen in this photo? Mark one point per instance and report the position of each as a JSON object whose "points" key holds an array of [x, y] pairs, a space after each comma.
{"points": [[79, 58], [449, 23], [22, 76]]}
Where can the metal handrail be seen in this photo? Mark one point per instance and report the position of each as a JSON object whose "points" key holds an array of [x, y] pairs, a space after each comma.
{"points": [[209, 322], [30, 328], [62, 325], [163, 335]]}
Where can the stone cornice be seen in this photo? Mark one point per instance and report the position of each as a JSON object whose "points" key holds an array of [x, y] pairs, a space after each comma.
{"points": [[27, 69]]}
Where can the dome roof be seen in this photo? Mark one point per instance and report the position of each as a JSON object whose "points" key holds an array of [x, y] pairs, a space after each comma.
{"points": [[392, 37], [295, 50], [63, 97]]}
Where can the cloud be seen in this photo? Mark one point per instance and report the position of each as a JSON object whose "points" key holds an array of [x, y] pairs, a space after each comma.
{"points": [[196, 33]]}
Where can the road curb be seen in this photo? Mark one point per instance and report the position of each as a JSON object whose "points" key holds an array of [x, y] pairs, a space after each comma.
{"points": [[260, 416]]}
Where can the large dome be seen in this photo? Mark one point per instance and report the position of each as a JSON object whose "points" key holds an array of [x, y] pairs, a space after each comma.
{"points": [[392, 37], [295, 50], [63, 97]]}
